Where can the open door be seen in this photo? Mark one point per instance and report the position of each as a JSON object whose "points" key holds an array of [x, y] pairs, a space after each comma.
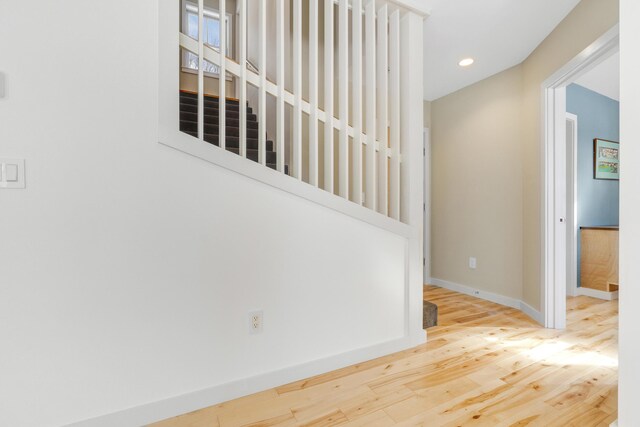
{"points": [[572, 229]]}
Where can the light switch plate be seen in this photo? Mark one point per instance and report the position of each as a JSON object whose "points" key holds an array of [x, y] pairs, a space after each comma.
{"points": [[12, 173]]}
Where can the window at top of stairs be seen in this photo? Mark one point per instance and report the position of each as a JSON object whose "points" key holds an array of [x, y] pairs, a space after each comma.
{"points": [[211, 36]]}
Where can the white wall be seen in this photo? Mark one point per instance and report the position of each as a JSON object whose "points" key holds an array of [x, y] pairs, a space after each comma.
{"points": [[629, 214], [128, 268]]}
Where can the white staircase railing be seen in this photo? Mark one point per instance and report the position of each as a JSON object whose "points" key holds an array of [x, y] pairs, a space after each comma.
{"points": [[368, 159]]}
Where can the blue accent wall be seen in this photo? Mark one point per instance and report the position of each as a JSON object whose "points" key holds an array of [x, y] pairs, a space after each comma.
{"points": [[598, 117]]}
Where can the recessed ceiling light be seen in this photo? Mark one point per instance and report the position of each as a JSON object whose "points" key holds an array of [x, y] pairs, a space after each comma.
{"points": [[466, 62]]}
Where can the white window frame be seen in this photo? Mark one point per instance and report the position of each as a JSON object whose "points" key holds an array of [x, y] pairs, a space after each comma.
{"points": [[210, 13]]}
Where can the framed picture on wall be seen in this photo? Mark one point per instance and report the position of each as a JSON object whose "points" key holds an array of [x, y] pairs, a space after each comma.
{"points": [[606, 159]]}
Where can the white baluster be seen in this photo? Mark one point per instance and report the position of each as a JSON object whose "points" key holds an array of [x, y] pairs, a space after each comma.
{"points": [[343, 98], [328, 95], [382, 95], [297, 89], [201, 69], [222, 78], [313, 92], [262, 94], [394, 113], [280, 59], [356, 85], [243, 77], [371, 180]]}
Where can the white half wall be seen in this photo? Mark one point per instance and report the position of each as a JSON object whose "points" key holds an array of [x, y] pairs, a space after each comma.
{"points": [[128, 269]]}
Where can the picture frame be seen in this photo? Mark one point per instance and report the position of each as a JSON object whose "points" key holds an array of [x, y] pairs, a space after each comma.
{"points": [[606, 159]]}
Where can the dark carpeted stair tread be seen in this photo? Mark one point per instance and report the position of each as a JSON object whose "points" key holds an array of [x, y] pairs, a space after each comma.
{"points": [[208, 103], [253, 154], [212, 109], [213, 129], [208, 98], [234, 123], [232, 117], [232, 141]]}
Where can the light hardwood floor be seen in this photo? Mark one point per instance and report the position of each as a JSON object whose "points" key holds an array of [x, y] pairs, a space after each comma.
{"points": [[484, 365]]}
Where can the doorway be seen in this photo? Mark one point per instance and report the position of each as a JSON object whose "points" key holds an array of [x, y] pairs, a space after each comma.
{"points": [[559, 192]]}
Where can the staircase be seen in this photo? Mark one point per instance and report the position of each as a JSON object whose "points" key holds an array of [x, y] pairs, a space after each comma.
{"points": [[189, 125]]}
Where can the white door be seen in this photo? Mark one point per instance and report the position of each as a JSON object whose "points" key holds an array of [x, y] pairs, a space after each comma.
{"points": [[572, 229]]}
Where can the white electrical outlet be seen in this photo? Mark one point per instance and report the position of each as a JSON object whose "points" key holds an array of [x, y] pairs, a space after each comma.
{"points": [[255, 322], [473, 263]]}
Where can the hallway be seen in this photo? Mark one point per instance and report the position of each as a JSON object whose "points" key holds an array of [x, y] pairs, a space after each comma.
{"points": [[484, 365]]}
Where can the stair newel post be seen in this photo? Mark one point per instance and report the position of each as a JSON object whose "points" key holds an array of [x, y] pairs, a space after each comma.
{"points": [[382, 74], [222, 76], [243, 76], [262, 93], [371, 167], [343, 98], [412, 166], [280, 24], [297, 89], [356, 87], [328, 95], [394, 115], [201, 70], [313, 92]]}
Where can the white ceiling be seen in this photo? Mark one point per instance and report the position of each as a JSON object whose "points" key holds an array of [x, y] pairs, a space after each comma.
{"points": [[604, 78], [498, 34]]}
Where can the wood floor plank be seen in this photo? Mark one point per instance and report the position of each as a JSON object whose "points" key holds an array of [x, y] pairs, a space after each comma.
{"points": [[332, 419], [483, 365], [371, 402], [374, 419]]}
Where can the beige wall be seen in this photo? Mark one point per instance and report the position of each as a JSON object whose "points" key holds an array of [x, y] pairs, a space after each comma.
{"points": [[477, 185], [486, 145]]}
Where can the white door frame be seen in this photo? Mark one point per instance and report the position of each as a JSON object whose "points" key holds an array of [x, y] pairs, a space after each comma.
{"points": [[572, 208], [554, 202], [427, 206]]}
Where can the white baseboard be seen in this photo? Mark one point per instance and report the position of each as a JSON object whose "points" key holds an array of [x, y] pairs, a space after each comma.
{"points": [[614, 424], [531, 312], [178, 405], [594, 293], [489, 296]]}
